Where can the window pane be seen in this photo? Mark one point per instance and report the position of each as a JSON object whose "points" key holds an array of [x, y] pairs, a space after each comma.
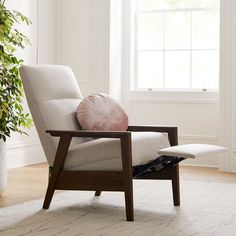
{"points": [[177, 44], [178, 30], [177, 69], [152, 4], [150, 70], [205, 31], [150, 31], [173, 4], [205, 69]]}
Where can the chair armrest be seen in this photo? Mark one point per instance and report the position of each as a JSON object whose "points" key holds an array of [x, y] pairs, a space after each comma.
{"points": [[67, 135], [91, 134], [171, 130]]}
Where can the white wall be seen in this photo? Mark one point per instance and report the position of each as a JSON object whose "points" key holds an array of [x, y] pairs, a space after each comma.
{"points": [[46, 32], [228, 85], [83, 41]]}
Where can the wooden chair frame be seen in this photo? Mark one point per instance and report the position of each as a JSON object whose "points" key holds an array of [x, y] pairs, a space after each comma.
{"points": [[61, 179]]}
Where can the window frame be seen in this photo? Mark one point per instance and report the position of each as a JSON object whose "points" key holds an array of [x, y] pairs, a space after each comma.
{"points": [[165, 94]]}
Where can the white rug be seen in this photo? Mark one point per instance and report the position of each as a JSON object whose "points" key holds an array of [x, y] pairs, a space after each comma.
{"points": [[206, 209]]}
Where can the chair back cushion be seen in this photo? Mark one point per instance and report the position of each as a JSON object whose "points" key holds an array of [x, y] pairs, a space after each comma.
{"points": [[53, 95]]}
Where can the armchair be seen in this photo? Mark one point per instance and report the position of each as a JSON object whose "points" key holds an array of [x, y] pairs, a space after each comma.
{"points": [[92, 160]]}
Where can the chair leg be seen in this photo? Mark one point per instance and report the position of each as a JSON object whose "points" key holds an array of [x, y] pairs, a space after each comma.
{"points": [[48, 197], [54, 172], [98, 193], [175, 185], [126, 151], [129, 205]]}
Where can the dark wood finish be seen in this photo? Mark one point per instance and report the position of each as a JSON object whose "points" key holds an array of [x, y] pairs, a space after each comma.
{"points": [[98, 193], [175, 185], [126, 153], [90, 180], [91, 134], [61, 153], [107, 180]]}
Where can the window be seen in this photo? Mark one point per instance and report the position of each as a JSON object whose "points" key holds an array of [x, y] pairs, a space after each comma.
{"points": [[175, 44]]}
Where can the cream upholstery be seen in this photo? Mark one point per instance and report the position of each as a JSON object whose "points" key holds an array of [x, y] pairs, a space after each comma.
{"points": [[51, 93], [52, 111], [105, 154], [53, 96], [192, 150]]}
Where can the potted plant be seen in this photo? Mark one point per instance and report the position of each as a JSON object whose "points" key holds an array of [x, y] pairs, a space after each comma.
{"points": [[12, 116]]}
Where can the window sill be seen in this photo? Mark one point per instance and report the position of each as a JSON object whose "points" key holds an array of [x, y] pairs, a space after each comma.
{"points": [[174, 96]]}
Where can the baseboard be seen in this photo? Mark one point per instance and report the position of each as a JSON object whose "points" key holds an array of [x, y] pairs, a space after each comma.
{"points": [[24, 154], [199, 165], [199, 138]]}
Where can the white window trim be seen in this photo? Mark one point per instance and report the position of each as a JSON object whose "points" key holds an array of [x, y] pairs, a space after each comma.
{"points": [[188, 95], [227, 162]]}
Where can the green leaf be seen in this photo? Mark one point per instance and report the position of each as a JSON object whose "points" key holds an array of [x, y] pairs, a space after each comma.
{"points": [[12, 115], [5, 107]]}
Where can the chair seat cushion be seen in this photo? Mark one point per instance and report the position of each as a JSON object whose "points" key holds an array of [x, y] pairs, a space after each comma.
{"points": [[192, 150], [105, 154]]}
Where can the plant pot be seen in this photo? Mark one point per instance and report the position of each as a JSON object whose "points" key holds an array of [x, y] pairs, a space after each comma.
{"points": [[3, 167]]}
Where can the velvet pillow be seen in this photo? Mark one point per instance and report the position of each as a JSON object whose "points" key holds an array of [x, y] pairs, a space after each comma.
{"points": [[100, 112]]}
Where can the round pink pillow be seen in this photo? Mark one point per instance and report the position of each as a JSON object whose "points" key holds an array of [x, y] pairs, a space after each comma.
{"points": [[100, 112]]}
